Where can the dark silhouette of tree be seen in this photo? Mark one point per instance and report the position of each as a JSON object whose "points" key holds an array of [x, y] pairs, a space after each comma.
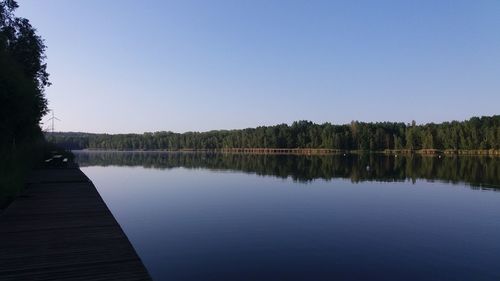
{"points": [[23, 77]]}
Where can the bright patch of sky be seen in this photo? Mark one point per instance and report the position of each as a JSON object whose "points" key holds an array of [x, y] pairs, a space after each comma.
{"points": [[135, 66]]}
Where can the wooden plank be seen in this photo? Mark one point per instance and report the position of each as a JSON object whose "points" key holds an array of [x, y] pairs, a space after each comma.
{"points": [[61, 229]]}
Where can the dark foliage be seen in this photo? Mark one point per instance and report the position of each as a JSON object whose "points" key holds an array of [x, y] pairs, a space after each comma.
{"points": [[23, 78], [475, 133]]}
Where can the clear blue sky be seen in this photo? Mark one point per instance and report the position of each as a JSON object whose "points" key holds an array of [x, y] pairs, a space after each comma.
{"points": [[135, 66]]}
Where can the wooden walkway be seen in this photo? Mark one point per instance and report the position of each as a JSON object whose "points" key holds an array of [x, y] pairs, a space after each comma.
{"points": [[61, 229]]}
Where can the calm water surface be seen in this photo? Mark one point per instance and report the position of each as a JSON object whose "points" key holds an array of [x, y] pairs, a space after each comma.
{"points": [[255, 217]]}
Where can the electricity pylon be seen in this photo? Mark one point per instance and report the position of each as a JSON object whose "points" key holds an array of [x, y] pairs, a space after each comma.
{"points": [[52, 119]]}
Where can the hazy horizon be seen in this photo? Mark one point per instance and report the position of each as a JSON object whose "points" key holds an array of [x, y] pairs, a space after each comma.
{"points": [[182, 66]]}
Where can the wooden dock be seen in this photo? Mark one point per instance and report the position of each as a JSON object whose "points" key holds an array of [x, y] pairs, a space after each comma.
{"points": [[61, 229]]}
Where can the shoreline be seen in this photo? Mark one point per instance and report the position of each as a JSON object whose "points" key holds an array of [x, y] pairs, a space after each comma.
{"points": [[317, 151]]}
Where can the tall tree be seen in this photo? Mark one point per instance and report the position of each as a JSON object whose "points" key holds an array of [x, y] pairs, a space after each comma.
{"points": [[23, 77]]}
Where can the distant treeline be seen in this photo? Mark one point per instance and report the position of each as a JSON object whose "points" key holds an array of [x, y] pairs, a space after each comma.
{"points": [[477, 171], [476, 133]]}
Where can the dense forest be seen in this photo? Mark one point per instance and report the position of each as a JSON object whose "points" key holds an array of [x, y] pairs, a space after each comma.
{"points": [[23, 79], [477, 133], [477, 171]]}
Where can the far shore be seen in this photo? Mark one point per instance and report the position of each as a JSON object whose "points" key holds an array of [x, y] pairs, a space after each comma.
{"points": [[320, 151]]}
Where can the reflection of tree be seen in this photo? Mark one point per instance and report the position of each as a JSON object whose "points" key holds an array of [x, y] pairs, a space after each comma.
{"points": [[477, 171]]}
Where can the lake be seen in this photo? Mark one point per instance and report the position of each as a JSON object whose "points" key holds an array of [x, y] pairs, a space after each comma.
{"points": [[207, 216]]}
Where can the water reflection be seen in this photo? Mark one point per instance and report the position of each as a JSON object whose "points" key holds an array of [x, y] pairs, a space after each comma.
{"points": [[478, 172]]}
